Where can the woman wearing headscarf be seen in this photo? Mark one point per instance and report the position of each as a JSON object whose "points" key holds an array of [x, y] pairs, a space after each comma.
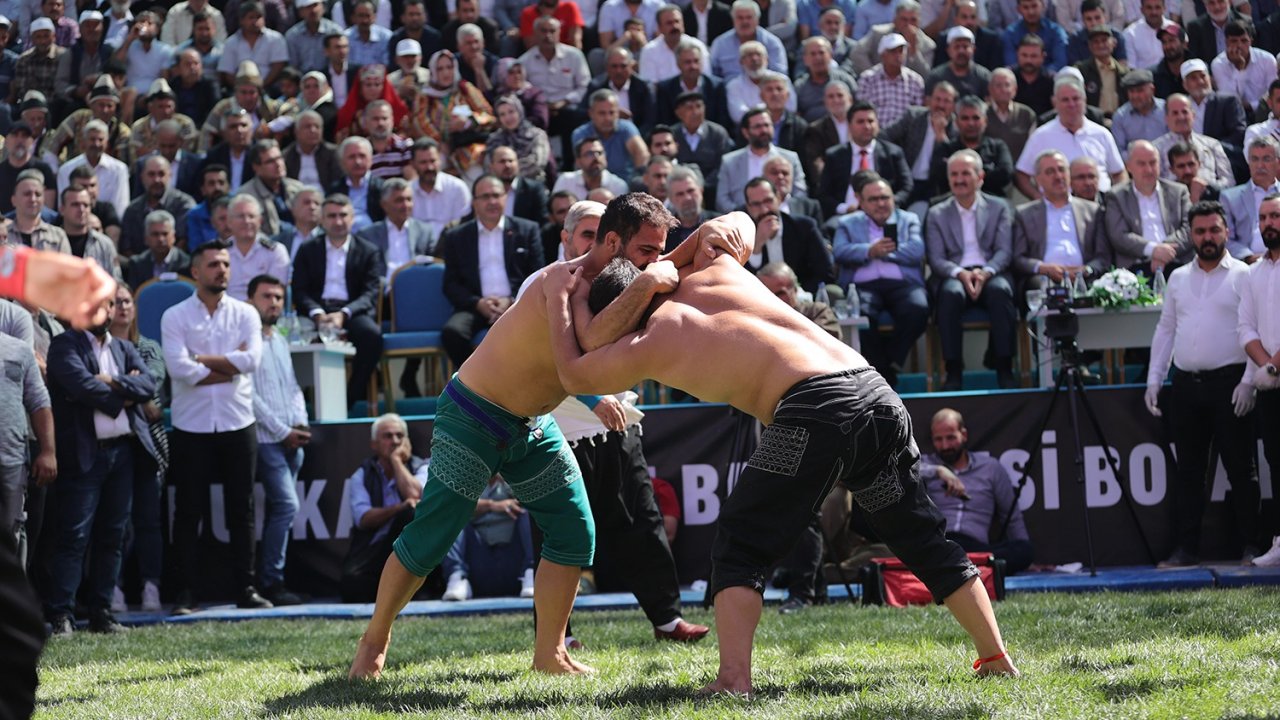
{"points": [[454, 113], [532, 147], [509, 79], [373, 86]]}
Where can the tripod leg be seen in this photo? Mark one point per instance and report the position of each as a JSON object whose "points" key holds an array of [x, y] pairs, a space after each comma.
{"points": [[1035, 453], [1074, 388]]}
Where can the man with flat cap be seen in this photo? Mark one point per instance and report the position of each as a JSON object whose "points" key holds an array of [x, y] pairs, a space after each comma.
{"points": [[1142, 118]]}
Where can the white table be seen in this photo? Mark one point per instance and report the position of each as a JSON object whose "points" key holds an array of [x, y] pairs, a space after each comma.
{"points": [[1099, 330], [849, 328], [323, 368]]}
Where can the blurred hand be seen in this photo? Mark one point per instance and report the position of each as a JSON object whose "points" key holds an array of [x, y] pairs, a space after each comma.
{"points": [[1152, 398], [951, 483], [45, 468], [1242, 399], [1264, 379], [610, 410], [664, 276]]}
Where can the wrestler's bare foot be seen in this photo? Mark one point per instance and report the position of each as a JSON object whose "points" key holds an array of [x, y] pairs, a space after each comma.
{"points": [[1003, 666], [370, 657], [560, 663], [729, 685]]}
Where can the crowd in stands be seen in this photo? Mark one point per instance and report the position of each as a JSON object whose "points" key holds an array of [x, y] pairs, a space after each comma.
{"points": [[927, 156]]}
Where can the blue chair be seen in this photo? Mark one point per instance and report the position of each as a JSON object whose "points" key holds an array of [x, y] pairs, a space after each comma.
{"points": [[154, 297], [419, 311]]}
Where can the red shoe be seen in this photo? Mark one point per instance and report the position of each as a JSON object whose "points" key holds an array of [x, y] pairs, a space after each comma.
{"points": [[683, 632]]}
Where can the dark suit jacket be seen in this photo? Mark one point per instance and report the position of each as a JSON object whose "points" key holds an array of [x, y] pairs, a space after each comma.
{"points": [[1200, 41], [643, 109], [1268, 33], [1093, 80], [188, 180], [804, 249], [713, 93], [806, 208], [908, 132], [375, 195], [365, 269], [288, 233], [327, 165], [140, 268], [890, 163], [713, 146], [76, 394], [820, 136], [997, 163], [719, 21], [791, 132], [421, 241], [1224, 119], [522, 250], [220, 154], [531, 200]]}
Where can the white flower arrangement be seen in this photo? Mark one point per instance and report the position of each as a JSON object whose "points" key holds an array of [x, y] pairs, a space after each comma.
{"points": [[1121, 289]]}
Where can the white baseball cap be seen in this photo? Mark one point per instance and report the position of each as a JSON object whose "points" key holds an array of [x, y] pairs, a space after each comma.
{"points": [[959, 32], [89, 15], [300, 4], [408, 47], [43, 23], [892, 41], [1191, 66]]}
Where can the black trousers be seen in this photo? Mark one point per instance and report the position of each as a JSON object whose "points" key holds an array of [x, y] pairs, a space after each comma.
{"points": [[845, 427], [201, 460], [1268, 412], [364, 333], [631, 544], [1205, 420], [996, 297], [459, 332], [21, 637], [362, 568]]}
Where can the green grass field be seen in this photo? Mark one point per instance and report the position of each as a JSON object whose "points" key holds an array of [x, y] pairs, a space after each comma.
{"points": [[1203, 654]]}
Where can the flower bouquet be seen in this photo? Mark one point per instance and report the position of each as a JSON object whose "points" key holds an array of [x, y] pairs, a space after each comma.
{"points": [[1121, 289]]}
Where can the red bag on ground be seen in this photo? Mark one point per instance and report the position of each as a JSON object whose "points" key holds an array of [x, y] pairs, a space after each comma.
{"points": [[887, 581]]}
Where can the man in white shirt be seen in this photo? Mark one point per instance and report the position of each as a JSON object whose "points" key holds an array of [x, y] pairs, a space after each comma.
{"points": [[212, 345], [264, 46], [1243, 70], [1073, 134], [252, 253], [1259, 332], [439, 199], [592, 172], [562, 73], [113, 175], [146, 57], [658, 57], [1213, 394], [1143, 47]]}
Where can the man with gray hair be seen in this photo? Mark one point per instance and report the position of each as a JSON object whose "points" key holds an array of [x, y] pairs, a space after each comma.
{"points": [[271, 186], [562, 73], [158, 194], [399, 236], [252, 252], [312, 160], [113, 175], [1244, 236], [161, 255], [1147, 217], [1073, 134], [358, 182], [746, 27], [746, 90]]}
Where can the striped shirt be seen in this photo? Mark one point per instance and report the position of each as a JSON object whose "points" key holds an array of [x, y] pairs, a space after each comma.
{"points": [[391, 161], [277, 400]]}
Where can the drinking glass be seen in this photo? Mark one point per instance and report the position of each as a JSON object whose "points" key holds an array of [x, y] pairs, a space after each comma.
{"points": [[843, 309], [1035, 301]]}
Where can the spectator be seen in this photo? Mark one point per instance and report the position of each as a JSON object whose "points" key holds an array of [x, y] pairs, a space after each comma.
{"points": [[526, 199], [1084, 180], [37, 68], [961, 72], [144, 133], [624, 147], [28, 227], [351, 305], [1147, 216], [439, 199], [920, 48], [358, 183], [1168, 74], [745, 164], [778, 171], [1271, 125], [828, 131], [306, 222], [413, 26], [1052, 35], [1103, 73], [248, 97], [1072, 133], [592, 172], [1008, 120], [1243, 70], [84, 242], [779, 99], [1143, 46], [862, 152], [635, 98], [493, 554], [889, 86], [20, 156], [103, 215], [979, 502], [101, 428], [1142, 118], [103, 103], [529, 142], [812, 85], [870, 13], [78, 69], [480, 290], [305, 40], [918, 132], [971, 133], [383, 494], [309, 159], [28, 398], [233, 152], [200, 227], [180, 21], [368, 40], [272, 188], [510, 79], [1091, 22], [970, 246], [700, 141], [338, 70], [1217, 115], [476, 64], [400, 238], [410, 77], [780, 236], [158, 195], [1184, 161], [484, 31], [113, 175], [1035, 82], [567, 12], [1244, 238], [1207, 33], [725, 48], [658, 59], [561, 71], [708, 20], [692, 78], [280, 416], [196, 94], [684, 194], [147, 57], [880, 256], [252, 252], [1214, 168], [1259, 332], [743, 92], [1059, 237], [206, 46], [161, 256]]}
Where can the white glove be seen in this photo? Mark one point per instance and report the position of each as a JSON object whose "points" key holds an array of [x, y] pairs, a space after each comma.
{"points": [[1263, 379], [1243, 398], [1152, 398]]}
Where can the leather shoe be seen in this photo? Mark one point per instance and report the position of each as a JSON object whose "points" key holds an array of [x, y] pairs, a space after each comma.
{"points": [[683, 632], [62, 625], [953, 383], [184, 604], [279, 595], [1179, 558], [251, 600], [102, 621], [1006, 380]]}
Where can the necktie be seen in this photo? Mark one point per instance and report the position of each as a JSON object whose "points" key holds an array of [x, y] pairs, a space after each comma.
{"points": [[865, 162]]}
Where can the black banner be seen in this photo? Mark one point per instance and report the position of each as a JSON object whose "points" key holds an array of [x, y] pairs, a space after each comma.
{"points": [[691, 446]]}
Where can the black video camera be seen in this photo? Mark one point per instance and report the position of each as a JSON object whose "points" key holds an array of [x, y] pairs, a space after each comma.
{"points": [[1057, 298]]}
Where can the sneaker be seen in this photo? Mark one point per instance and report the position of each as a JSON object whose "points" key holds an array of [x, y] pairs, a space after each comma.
{"points": [[458, 588], [251, 600], [587, 583], [526, 584], [150, 597], [1248, 554], [184, 604], [685, 632], [1270, 558], [62, 625], [573, 643], [794, 605], [279, 595], [102, 621], [118, 605], [1179, 558]]}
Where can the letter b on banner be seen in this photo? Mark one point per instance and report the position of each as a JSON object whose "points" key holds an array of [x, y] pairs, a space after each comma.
{"points": [[1101, 488]]}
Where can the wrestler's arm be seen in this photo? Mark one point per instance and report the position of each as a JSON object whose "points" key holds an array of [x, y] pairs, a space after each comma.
{"points": [[65, 285], [734, 233], [613, 368]]}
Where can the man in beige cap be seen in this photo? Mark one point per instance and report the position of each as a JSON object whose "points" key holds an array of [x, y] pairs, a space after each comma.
{"points": [[249, 97], [162, 105], [103, 102]]}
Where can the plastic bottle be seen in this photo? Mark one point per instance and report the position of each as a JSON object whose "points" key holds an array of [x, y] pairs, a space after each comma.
{"points": [[821, 295]]}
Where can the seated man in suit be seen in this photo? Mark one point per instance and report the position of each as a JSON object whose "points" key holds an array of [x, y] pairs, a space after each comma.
{"points": [[778, 171], [747, 163], [692, 78], [1056, 238], [700, 141], [879, 253], [349, 305], [794, 240], [969, 240], [1146, 217], [526, 199], [1244, 239], [309, 159], [919, 132], [233, 152], [357, 183], [635, 99], [486, 260], [160, 256], [827, 131], [862, 152]]}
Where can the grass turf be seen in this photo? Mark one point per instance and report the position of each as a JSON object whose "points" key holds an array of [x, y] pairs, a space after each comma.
{"points": [[1201, 654]]}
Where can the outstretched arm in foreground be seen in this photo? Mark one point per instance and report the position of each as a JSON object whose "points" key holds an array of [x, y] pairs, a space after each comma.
{"points": [[65, 285]]}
